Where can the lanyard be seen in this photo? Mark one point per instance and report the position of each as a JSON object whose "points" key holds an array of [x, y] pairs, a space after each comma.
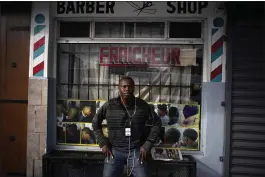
{"points": [[130, 116]]}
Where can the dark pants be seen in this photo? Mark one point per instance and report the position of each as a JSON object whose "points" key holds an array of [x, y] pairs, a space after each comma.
{"points": [[114, 167]]}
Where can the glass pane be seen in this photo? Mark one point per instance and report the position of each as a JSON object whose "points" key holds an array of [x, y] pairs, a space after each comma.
{"points": [[94, 70], [155, 78], [145, 93], [113, 92], [87, 129], [165, 94], [108, 30], [84, 70], [165, 78], [103, 76], [155, 94], [145, 78], [175, 95], [185, 95], [64, 66], [129, 30], [60, 132], [185, 30], [94, 49], [136, 91], [75, 92], [150, 30], [64, 48], [114, 79], [175, 76], [73, 133], [136, 79], [69, 29], [78, 67], [93, 92], [75, 70], [83, 106], [186, 76], [195, 92], [117, 70], [82, 48], [83, 91], [103, 92], [62, 91]]}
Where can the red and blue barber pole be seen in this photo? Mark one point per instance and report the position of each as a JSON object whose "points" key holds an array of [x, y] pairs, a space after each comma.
{"points": [[39, 45], [217, 50]]}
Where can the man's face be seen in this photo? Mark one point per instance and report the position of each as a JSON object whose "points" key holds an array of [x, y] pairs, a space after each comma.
{"points": [[85, 136], [87, 111], [126, 88], [161, 112], [187, 141]]}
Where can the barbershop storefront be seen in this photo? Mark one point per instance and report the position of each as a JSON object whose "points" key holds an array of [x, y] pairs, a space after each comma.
{"points": [[174, 51]]}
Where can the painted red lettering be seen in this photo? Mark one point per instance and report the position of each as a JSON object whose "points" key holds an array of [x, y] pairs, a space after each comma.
{"points": [[165, 56], [113, 54], [146, 55], [136, 50], [130, 57], [175, 52], [102, 54], [154, 56], [123, 54]]}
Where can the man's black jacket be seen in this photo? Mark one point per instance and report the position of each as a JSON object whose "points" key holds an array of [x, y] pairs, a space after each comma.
{"points": [[117, 119]]}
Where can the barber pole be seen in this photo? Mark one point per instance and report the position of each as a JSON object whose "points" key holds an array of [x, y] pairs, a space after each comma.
{"points": [[39, 45], [217, 50]]}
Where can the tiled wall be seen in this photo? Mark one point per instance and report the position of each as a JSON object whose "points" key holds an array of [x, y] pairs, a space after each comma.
{"points": [[37, 125]]}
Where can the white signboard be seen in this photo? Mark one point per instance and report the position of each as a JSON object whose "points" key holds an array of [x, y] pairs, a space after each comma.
{"points": [[134, 9]]}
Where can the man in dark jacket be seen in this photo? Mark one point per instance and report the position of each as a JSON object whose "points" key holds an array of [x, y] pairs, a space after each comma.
{"points": [[126, 116]]}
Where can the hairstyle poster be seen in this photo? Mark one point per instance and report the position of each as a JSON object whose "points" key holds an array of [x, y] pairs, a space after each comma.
{"points": [[74, 122], [180, 124]]}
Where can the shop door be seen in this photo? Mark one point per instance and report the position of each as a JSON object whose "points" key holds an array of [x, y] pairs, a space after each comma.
{"points": [[245, 144], [14, 69]]}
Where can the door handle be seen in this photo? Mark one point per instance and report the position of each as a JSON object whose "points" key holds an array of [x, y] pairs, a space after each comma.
{"points": [[14, 64], [12, 138]]}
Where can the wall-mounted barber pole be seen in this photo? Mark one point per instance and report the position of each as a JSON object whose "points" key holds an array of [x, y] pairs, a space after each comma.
{"points": [[218, 50], [39, 45], [39, 39]]}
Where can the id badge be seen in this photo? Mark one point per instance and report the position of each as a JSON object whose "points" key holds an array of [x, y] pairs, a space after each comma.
{"points": [[127, 131]]}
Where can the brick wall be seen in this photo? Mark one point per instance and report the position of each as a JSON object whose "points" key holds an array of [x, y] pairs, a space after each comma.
{"points": [[37, 125]]}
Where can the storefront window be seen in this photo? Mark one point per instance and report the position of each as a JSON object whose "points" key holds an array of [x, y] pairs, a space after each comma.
{"points": [[129, 30], [90, 71], [68, 29], [108, 30], [167, 76], [150, 30], [185, 30]]}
